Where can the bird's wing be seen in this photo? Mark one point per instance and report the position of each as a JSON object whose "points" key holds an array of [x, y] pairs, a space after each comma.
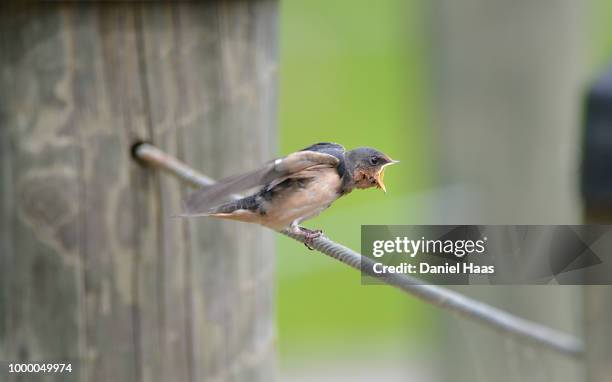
{"points": [[334, 149], [203, 200]]}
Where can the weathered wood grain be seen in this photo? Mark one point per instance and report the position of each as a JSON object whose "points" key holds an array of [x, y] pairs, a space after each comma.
{"points": [[94, 269]]}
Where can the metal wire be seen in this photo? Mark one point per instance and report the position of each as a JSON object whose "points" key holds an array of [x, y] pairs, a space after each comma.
{"points": [[444, 298]]}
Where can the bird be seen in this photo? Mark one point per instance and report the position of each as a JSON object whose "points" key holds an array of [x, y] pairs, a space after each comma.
{"points": [[290, 190]]}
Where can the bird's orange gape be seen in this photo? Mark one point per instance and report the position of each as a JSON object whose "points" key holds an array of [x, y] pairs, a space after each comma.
{"points": [[372, 176], [381, 173]]}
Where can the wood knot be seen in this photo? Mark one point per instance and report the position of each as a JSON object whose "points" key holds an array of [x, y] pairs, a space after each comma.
{"points": [[49, 204]]}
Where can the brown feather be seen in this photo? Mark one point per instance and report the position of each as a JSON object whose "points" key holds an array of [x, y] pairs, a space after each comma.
{"points": [[203, 200]]}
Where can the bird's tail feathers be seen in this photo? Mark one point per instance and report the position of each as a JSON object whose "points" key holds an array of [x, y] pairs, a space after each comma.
{"points": [[223, 210]]}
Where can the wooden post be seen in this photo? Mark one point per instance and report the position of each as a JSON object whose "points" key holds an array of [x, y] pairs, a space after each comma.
{"points": [[597, 332], [507, 105], [94, 270]]}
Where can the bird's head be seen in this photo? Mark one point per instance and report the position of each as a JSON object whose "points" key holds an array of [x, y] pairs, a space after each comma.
{"points": [[368, 166]]}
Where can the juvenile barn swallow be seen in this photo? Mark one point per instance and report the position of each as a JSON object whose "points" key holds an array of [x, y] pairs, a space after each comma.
{"points": [[290, 190]]}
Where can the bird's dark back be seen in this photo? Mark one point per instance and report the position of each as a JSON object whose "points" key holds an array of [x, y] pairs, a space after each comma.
{"points": [[330, 148]]}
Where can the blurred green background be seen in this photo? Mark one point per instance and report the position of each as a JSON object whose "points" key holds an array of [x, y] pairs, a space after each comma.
{"points": [[359, 74], [341, 81]]}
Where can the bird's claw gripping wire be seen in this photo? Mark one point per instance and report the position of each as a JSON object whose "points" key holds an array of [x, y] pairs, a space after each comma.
{"points": [[309, 236]]}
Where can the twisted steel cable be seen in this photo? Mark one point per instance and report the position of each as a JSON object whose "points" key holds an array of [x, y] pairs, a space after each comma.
{"points": [[444, 298]]}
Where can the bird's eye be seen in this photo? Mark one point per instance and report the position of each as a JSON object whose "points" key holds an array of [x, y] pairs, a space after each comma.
{"points": [[373, 161]]}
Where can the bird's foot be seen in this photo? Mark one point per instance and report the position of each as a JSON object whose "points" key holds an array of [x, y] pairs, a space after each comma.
{"points": [[309, 236]]}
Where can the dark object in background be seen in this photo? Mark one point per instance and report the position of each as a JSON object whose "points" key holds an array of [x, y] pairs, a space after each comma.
{"points": [[597, 198], [596, 177]]}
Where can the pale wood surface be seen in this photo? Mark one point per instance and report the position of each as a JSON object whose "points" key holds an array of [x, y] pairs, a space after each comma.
{"points": [[598, 314], [509, 79], [93, 268]]}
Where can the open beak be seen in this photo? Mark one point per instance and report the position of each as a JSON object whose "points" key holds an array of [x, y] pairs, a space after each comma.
{"points": [[381, 175]]}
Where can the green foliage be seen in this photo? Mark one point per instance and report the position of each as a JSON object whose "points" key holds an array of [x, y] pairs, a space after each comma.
{"points": [[351, 73], [599, 35]]}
